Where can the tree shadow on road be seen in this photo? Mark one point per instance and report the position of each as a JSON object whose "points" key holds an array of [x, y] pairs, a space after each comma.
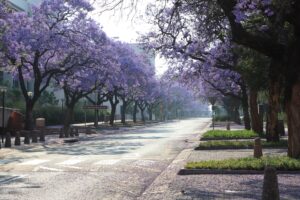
{"points": [[90, 148]]}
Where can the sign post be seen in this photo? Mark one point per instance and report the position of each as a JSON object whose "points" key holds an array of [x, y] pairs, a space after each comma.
{"points": [[94, 107]]}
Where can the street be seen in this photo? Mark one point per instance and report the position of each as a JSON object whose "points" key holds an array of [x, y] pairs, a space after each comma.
{"points": [[119, 165]]}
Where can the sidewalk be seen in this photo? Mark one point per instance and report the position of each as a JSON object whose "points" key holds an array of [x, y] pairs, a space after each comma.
{"points": [[169, 185]]}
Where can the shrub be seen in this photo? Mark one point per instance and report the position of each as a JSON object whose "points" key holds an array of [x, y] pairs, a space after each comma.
{"points": [[278, 162], [224, 134], [238, 144]]}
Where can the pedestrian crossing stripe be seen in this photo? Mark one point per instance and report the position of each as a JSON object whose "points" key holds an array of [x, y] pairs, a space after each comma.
{"points": [[34, 162], [107, 162], [71, 162]]}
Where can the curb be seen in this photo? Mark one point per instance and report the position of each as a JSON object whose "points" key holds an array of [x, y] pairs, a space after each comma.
{"points": [[185, 172], [213, 139], [233, 148]]}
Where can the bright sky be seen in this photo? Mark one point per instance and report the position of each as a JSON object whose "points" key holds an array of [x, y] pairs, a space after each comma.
{"points": [[126, 29]]}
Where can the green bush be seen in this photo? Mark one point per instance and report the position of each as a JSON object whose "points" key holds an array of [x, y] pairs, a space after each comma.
{"points": [[279, 162], [221, 118], [55, 116], [239, 145], [224, 134], [52, 114]]}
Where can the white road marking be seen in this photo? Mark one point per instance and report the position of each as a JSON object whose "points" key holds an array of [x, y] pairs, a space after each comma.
{"points": [[107, 162], [231, 191], [34, 162], [71, 161], [131, 156], [72, 167], [144, 162], [49, 168]]}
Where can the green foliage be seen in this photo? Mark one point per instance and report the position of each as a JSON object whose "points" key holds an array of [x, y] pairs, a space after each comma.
{"points": [[80, 115], [55, 116], [52, 114], [14, 99], [222, 118], [279, 162], [253, 67], [238, 134], [47, 98], [239, 145]]}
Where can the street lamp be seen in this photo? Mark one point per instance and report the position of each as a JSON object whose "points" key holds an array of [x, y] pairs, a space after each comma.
{"points": [[212, 101], [30, 94], [62, 106], [62, 109], [3, 89], [30, 122]]}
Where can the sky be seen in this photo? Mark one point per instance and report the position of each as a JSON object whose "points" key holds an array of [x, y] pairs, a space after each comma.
{"points": [[127, 28]]}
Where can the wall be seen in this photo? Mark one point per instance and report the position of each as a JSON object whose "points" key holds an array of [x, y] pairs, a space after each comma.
{"points": [[24, 4]]}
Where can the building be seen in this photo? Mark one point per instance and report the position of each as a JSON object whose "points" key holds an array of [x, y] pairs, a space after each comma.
{"points": [[23, 5], [17, 5]]}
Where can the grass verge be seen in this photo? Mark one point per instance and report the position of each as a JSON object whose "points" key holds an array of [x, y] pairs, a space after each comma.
{"points": [[283, 163], [220, 144], [223, 134]]}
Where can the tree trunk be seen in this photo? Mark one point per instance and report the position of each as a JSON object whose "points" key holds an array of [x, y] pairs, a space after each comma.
{"points": [[272, 113], [112, 114], [150, 114], [68, 120], [236, 115], [292, 96], [123, 113], [134, 112], [293, 115], [96, 120], [142, 114], [245, 107], [113, 100], [29, 116], [257, 125]]}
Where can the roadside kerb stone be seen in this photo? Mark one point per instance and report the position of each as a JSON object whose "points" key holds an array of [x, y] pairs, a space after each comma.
{"points": [[220, 171], [231, 148], [221, 138]]}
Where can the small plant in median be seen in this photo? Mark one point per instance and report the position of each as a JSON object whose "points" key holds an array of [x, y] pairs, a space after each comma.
{"points": [[220, 144], [224, 134], [279, 162]]}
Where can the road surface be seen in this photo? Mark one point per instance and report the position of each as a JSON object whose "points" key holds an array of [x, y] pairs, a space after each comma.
{"points": [[106, 166]]}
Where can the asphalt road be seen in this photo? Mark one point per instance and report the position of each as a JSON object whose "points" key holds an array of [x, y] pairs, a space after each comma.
{"points": [[119, 165]]}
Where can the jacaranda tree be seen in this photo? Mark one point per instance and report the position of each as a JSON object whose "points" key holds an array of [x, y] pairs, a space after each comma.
{"points": [[35, 43]]}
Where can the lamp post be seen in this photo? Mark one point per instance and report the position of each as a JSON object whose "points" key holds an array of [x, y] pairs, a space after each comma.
{"points": [[85, 114], [30, 95], [212, 101], [3, 90], [62, 105]]}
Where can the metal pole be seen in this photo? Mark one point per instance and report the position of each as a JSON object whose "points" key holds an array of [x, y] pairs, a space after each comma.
{"points": [[62, 110], [3, 104], [62, 106], [213, 117], [85, 114]]}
